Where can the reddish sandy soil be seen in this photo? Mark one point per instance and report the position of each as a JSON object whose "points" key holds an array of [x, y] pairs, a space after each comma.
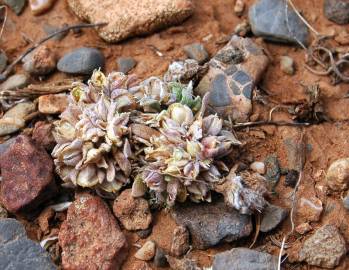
{"points": [[211, 23]]}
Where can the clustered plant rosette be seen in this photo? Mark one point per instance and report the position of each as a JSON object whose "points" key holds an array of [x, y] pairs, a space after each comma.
{"points": [[98, 148]]}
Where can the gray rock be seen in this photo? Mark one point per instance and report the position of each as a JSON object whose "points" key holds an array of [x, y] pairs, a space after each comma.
{"points": [[50, 29], [273, 172], [197, 52], [125, 64], [272, 216], [3, 61], [16, 5], [268, 20], [346, 202], [81, 61], [160, 258], [19, 252], [210, 224], [337, 11], [5, 145], [16, 81], [144, 233], [10, 230], [325, 248], [244, 258]]}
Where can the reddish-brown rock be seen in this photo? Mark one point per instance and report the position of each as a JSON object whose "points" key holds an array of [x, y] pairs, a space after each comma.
{"points": [[133, 213], [127, 18], [27, 175], [42, 135], [53, 104], [90, 236], [180, 241]]}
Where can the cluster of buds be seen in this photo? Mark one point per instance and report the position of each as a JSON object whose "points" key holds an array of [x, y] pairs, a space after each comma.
{"points": [[153, 133]]}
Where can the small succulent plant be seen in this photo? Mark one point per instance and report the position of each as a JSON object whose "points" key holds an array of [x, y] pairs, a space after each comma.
{"points": [[92, 146], [184, 161], [155, 133]]}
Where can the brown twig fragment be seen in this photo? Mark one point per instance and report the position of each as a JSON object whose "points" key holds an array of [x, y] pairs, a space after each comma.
{"points": [[270, 123], [10, 67]]}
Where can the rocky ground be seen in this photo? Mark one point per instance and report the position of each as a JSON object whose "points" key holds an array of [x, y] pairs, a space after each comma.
{"points": [[305, 165]]}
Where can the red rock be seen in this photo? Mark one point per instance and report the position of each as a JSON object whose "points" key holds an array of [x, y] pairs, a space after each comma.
{"points": [[90, 236], [133, 213], [42, 135], [53, 104], [27, 175]]}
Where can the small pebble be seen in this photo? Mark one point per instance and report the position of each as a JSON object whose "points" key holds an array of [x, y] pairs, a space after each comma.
{"points": [[14, 82], [258, 167], [291, 178], [3, 212], [81, 61], [346, 202], [41, 62], [180, 241], [160, 258], [337, 177], [3, 61], [239, 7], [197, 52], [242, 29], [287, 65], [53, 104], [342, 38], [40, 6], [303, 228], [146, 252], [337, 11], [125, 64], [16, 5]]}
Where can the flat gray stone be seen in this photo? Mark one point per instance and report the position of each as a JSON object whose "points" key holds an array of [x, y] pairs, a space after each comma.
{"points": [[10, 230], [211, 223], [81, 61], [268, 20], [19, 252], [272, 216], [125, 64], [15, 5], [14, 82], [244, 258], [197, 52]]}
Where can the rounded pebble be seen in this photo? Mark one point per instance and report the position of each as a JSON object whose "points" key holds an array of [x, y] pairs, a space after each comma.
{"points": [[337, 176], [146, 252], [258, 167], [81, 61], [287, 65]]}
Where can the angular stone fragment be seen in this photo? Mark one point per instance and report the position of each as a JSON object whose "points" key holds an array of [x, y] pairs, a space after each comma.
{"points": [[309, 208], [232, 76], [90, 236], [268, 20], [146, 252], [40, 62], [53, 104], [27, 176], [19, 252], [337, 11], [14, 82], [42, 135], [244, 258], [128, 18], [272, 216], [197, 52], [180, 241], [325, 248], [133, 213], [212, 223]]}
